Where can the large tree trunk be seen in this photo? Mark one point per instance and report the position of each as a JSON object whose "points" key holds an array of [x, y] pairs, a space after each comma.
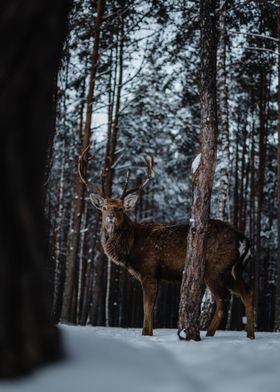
{"points": [[202, 178], [208, 302], [74, 236], [31, 35], [277, 297]]}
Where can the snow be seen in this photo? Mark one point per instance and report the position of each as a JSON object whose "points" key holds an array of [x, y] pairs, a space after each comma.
{"points": [[242, 248], [196, 163], [115, 359]]}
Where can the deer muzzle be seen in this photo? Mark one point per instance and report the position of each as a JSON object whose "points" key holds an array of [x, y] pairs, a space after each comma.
{"points": [[111, 224]]}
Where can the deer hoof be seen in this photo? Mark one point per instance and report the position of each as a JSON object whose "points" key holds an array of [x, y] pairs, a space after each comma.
{"points": [[183, 334]]}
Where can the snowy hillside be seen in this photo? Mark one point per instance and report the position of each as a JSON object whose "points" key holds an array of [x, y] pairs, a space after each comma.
{"points": [[116, 359]]}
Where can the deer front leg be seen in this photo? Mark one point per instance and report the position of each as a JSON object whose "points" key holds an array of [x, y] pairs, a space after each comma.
{"points": [[149, 287]]}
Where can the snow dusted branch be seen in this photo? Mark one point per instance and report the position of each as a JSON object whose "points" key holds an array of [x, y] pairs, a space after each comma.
{"points": [[262, 49], [255, 35]]}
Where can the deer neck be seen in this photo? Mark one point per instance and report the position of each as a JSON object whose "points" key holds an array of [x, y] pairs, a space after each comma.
{"points": [[117, 245]]}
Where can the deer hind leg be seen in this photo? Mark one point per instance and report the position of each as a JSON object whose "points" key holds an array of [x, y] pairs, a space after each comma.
{"points": [[240, 288], [149, 287], [221, 295]]}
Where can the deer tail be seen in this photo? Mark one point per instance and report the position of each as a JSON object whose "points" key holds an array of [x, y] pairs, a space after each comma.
{"points": [[244, 256]]}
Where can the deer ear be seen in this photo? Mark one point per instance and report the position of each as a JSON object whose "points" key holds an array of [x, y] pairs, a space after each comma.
{"points": [[130, 201], [96, 200]]}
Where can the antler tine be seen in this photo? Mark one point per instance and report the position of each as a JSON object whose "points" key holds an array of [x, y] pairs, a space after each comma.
{"points": [[80, 164], [149, 166], [87, 183], [125, 184]]}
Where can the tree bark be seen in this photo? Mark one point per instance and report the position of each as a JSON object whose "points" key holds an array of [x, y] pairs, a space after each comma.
{"points": [[74, 236], [241, 222], [277, 297], [222, 91], [202, 179], [252, 192], [236, 179], [31, 36], [208, 302], [261, 169], [108, 171], [57, 242], [114, 115]]}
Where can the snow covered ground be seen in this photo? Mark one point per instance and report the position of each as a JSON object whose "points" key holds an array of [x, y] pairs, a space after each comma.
{"points": [[121, 360]]}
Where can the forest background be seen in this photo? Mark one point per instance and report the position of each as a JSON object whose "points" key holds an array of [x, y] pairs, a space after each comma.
{"points": [[129, 87]]}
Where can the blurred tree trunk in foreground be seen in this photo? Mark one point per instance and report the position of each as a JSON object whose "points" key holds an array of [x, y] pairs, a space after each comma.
{"points": [[31, 36]]}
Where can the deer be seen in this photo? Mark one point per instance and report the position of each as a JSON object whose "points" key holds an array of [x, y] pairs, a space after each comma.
{"points": [[154, 252]]}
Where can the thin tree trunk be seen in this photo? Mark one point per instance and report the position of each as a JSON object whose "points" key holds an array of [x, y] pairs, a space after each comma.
{"points": [[246, 196], [97, 311], [69, 287], [88, 277], [81, 266], [58, 229], [113, 130], [229, 315], [222, 92], [252, 191], [81, 262], [108, 172], [202, 179], [236, 180], [107, 295], [262, 154], [277, 295], [242, 179]]}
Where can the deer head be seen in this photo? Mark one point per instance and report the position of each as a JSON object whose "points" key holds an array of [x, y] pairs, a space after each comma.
{"points": [[114, 209]]}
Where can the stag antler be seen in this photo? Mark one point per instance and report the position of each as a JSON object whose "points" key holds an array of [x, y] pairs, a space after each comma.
{"points": [[149, 165], [95, 189]]}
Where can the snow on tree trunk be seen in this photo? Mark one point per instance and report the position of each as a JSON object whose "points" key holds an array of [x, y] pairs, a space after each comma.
{"points": [[74, 235], [277, 298], [202, 179], [208, 302], [207, 309]]}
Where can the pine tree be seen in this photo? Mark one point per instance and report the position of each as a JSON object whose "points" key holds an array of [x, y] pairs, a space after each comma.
{"points": [[202, 178]]}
